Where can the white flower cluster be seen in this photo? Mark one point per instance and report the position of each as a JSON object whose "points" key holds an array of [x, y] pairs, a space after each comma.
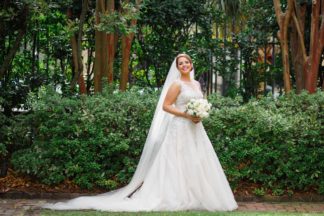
{"points": [[198, 107]]}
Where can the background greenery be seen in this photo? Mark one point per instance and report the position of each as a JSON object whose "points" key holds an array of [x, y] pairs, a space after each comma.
{"points": [[163, 30], [50, 132], [96, 141]]}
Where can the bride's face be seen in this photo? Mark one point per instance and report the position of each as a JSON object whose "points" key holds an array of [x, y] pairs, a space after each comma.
{"points": [[184, 65]]}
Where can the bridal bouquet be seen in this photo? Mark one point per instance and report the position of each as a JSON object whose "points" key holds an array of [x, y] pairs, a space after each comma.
{"points": [[198, 107]]}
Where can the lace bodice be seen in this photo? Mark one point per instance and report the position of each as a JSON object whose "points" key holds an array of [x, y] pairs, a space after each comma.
{"points": [[189, 90]]}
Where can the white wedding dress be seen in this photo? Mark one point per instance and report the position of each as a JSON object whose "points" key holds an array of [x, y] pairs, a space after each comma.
{"points": [[178, 169], [184, 173]]}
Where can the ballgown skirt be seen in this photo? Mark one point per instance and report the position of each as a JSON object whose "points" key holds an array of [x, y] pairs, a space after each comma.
{"points": [[185, 175]]}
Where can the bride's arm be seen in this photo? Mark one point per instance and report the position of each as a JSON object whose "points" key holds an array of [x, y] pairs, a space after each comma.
{"points": [[169, 100]]}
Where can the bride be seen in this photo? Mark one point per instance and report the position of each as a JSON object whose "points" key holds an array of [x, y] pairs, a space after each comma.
{"points": [[178, 169]]}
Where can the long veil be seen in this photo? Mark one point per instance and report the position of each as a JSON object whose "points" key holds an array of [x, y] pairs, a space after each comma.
{"points": [[152, 145], [154, 139]]}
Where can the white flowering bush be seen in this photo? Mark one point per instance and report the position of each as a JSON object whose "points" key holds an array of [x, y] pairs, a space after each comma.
{"points": [[198, 107]]}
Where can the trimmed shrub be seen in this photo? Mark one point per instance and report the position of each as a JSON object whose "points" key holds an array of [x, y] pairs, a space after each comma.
{"points": [[97, 140], [93, 140], [276, 143]]}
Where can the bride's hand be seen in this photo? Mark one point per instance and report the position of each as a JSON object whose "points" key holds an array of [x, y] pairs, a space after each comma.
{"points": [[194, 119]]}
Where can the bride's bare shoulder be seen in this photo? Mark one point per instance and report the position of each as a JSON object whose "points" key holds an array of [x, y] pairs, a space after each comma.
{"points": [[196, 82], [176, 85]]}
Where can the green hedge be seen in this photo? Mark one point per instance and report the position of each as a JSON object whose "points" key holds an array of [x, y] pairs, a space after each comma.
{"points": [[4, 124], [93, 140], [97, 140], [276, 143]]}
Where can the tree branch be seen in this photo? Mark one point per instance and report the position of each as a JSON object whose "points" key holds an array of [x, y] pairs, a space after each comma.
{"points": [[11, 54], [278, 11], [79, 70], [321, 38], [301, 37], [314, 25]]}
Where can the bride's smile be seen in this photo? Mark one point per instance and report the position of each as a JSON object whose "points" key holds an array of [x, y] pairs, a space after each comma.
{"points": [[184, 66]]}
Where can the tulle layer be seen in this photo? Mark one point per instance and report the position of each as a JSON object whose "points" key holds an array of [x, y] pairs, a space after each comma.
{"points": [[185, 175]]}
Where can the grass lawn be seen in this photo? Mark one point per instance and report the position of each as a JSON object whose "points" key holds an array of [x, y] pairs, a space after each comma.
{"points": [[191, 213]]}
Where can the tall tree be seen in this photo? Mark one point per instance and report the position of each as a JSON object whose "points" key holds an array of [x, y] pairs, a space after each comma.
{"points": [[111, 46], [76, 44], [297, 45], [283, 19], [126, 49], [22, 21], [316, 45], [101, 52], [111, 23], [306, 63]]}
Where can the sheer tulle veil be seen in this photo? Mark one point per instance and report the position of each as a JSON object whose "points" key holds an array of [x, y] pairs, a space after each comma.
{"points": [[152, 145], [154, 139], [156, 133]]}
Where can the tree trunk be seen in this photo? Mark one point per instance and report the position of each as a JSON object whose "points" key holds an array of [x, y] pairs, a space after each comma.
{"points": [[80, 78], [126, 49], [296, 42], [89, 70], [297, 61], [101, 63], [316, 46], [76, 43], [9, 57], [283, 20], [33, 53], [321, 73], [11, 54], [111, 38]]}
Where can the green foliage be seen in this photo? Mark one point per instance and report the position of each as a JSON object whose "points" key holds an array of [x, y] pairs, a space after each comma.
{"points": [[165, 30], [260, 27], [97, 140], [119, 22], [36, 61], [3, 135], [275, 143], [13, 133], [259, 191], [162, 31], [243, 28], [93, 140], [278, 192]]}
